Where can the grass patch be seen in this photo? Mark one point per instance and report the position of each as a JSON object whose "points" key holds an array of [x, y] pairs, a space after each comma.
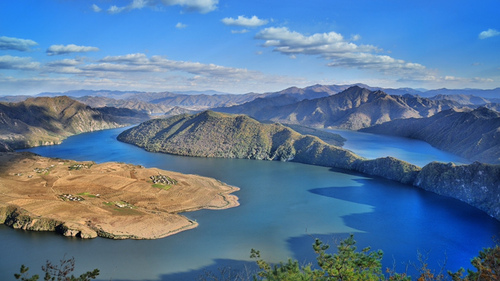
{"points": [[162, 186], [88, 194]]}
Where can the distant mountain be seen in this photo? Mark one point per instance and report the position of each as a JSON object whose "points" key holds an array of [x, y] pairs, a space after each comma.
{"points": [[14, 98], [142, 106], [472, 134], [352, 109], [176, 110], [466, 99], [488, 94], [207, 92], [47, 121]]}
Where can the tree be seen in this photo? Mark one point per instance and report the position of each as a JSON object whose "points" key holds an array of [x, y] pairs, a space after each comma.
{"points": [[487, 265], [347, 264], [54, 272]]}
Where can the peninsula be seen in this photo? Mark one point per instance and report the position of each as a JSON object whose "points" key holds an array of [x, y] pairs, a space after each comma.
{"points": [[112, 200]]}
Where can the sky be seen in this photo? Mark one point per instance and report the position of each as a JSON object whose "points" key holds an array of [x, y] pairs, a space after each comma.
{"points": [[240, 46]]}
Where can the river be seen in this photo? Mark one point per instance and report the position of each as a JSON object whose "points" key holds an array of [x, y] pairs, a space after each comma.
{"points": [[284, 206]]}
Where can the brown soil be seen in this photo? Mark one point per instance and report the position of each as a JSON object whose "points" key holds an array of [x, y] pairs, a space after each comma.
{"points": [[118, 200]]}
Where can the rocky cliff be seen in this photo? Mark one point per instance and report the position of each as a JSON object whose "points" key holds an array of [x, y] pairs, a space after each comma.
{"points": [[476, 184]]}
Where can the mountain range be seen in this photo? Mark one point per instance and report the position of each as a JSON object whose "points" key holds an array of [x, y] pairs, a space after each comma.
{"points": [[47, 121], [352, 109]]}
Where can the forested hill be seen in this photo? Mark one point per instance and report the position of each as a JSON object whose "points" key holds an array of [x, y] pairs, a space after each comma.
{"points": [[472, 134], [353, 108], [46, 121], [213, 134]]}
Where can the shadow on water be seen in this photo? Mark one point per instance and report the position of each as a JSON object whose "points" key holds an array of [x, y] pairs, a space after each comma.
{"points": [[222, 269], [423, 223]]}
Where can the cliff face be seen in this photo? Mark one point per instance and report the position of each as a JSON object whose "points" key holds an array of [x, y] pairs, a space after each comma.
{"points": [[18, 218], [47, 121], [476, 184], [389, 168]]}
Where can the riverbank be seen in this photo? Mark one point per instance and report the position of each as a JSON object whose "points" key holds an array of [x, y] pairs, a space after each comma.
{"points": [[112, 200]]}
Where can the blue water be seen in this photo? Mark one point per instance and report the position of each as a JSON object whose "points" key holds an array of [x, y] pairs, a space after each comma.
{"points": [[373, 146], [284, 206]]}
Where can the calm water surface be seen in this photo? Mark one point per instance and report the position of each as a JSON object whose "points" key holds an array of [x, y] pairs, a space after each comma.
{"points": [[284, 206]]}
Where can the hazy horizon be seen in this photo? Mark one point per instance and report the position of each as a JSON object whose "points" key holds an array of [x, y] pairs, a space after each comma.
{"points": [[241, 47]]}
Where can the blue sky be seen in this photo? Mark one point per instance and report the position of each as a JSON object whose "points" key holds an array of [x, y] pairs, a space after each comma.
{"points": [[239, 46]]}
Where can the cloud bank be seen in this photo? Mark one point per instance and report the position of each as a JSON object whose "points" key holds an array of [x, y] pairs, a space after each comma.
{"points": [[335, 48], [21, 63], [200, 6], [11, 43], [71, 48], [244, 21]]}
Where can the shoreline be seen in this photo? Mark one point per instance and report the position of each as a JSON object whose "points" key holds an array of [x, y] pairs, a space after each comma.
{"points": [[111, 200]]}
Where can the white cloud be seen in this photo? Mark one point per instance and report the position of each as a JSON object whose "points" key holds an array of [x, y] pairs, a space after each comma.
{"points": [[21, 63], [488, 33], [244, 21], [11, 43], [180, 25], [136, 72], [96, 8], [64, 62], [71, 48], [340, 52], [141, 63], [201, 6]]}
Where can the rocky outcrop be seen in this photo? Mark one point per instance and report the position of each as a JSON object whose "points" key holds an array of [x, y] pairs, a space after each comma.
{"points": [[18, 218], [477, 184]]}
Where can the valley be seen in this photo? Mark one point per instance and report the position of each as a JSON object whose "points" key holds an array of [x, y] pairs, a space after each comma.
{"points": [[289, 126]]}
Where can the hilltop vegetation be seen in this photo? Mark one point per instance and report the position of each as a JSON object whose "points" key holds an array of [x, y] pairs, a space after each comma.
{"points": [[212, 134], [47, 121]]}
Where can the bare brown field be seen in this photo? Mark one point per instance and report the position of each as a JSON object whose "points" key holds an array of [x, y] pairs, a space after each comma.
{"points": [[113, 200]]}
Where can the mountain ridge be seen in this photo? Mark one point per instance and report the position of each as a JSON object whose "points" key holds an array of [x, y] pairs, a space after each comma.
{"points": [[47, 121], [353, 109]]}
